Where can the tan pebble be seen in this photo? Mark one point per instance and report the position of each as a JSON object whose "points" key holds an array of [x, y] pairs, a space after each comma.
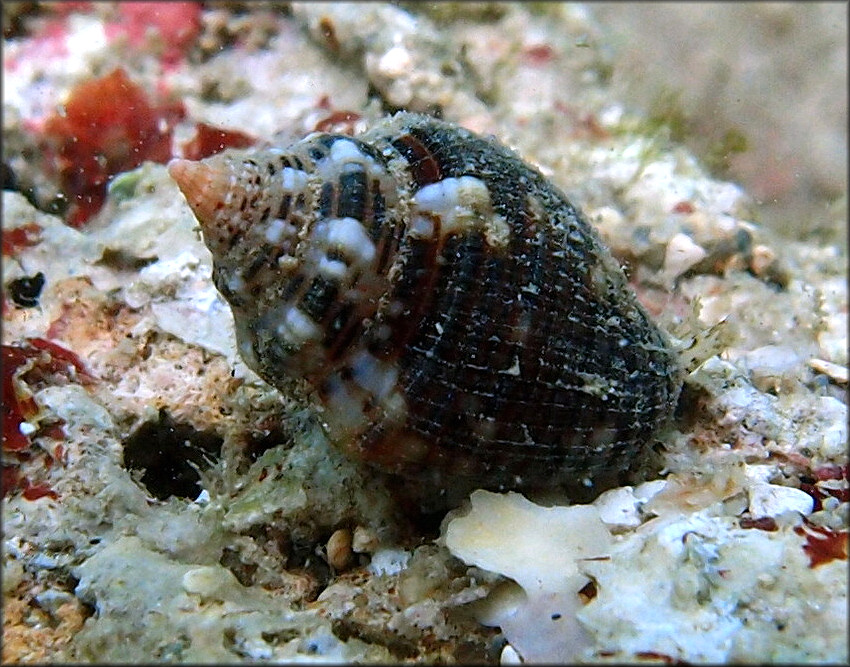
{"points": [[339, 549]]}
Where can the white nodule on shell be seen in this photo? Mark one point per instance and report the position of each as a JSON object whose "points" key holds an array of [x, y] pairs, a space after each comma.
{"points": [[277, 229], [297, 326], [293, 180], [343, 413], [348, 234], [372, 375], [443, 196], [332, 268], [344, 150], [462, 204], [439, 197], [235, 283], [421, 227]]}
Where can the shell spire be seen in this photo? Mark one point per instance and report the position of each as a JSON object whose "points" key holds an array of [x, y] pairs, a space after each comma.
{"points": [[208, 185]]}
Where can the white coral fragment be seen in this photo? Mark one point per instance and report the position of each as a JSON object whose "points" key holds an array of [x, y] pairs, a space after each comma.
{"points": [[542, 549], [773, 500]]}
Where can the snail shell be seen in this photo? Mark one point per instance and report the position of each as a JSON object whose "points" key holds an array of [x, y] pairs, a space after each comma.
{"points": [[452, 313]]}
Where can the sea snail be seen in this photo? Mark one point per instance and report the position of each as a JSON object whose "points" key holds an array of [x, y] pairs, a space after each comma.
{"points": [[454, 316]]}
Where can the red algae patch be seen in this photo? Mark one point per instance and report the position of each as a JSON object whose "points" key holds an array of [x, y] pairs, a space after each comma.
{"points": [[209, 140], [108, 125]]}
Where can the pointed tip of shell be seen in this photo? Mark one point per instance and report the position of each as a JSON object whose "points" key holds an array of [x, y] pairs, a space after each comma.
{"points": [[203, 185]]}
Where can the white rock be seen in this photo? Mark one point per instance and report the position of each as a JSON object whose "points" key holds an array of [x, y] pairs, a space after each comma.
{"points": [[837, 372], [618, 508], [509, 656], [395, 62], [538, 547], [769, 364], [681, 254], [832, 427], [388, 561], [207, 580], [772, 500], [543, 549], [648, 490]]}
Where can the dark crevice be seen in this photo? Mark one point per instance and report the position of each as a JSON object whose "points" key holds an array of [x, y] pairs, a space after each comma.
{"points": [[168, 454]]}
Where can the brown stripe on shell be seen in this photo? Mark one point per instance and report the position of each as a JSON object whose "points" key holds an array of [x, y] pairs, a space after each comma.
{"points": [[423, 165]]}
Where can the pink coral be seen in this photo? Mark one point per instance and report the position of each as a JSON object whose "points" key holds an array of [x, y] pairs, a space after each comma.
{"points": [[169, 28]]}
